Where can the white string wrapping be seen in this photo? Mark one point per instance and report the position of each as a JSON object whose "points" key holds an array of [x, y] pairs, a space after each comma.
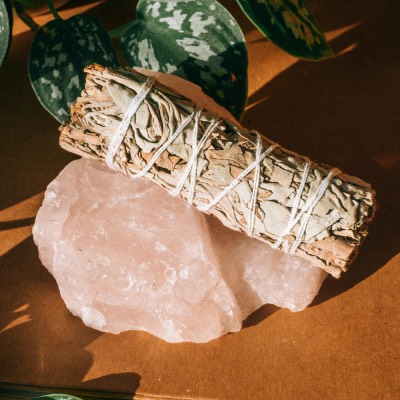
{"points": [[308, 209], [303, 215], [179, 186], [193, 176], [191, 166], [321, 191], [296, 202], [236, 181], [256, 183], [119, 135], [161, 149]]}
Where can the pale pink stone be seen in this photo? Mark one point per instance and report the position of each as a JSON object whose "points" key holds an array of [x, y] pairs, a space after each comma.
{"points": [[126, 255]]}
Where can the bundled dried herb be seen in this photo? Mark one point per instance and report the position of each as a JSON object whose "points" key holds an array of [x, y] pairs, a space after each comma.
{"points": [[339, 215]]}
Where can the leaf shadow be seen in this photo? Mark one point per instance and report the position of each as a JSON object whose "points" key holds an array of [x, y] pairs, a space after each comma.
{"points": [[129, 382], [29, 347], [41, 340], [18, 223], [110, 13]]}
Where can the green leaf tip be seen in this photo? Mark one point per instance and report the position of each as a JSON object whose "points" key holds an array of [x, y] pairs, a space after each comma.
{"points": [[198, 40], [56, 396], [60, 51], [290, 25], [6, 22]]}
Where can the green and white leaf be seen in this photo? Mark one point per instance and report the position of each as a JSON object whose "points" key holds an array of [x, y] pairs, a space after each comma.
{"points": [[198, 40], [290, 25], [57, 397], [6, 21], [60, 51]]}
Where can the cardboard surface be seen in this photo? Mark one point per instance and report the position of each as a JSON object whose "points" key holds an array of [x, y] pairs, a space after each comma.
{"points": [[345, 346]]}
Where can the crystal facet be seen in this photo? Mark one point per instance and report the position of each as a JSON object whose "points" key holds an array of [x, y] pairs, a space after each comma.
{"points": [[126, 255]]}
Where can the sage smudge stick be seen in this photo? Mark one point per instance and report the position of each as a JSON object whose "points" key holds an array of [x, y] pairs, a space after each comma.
{"points": [[331, 234]]}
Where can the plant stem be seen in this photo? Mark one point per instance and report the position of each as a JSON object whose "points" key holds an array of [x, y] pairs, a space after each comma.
{"points": [[53, 9], [117, 32], [26, 18]]}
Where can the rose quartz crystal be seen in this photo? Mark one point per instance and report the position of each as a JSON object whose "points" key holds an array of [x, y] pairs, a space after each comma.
{"points": [[126, 255]]}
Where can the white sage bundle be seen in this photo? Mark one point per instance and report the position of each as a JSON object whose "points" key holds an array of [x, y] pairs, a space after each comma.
{"points": [[145, 129]]}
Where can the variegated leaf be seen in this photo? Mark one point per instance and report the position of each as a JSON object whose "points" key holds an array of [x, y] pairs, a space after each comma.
{"points": [[56, 396], [6, 21], [196, 39], [59, 53], [290, 25]]}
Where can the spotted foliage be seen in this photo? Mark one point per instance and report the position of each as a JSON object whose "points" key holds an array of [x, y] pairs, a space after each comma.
{"points": [[59, 53], [290, 25], [57, 396], [6, 21], [196, 39]]}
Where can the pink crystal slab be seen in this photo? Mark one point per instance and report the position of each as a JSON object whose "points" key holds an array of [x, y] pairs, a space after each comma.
{"points": [[128, 256]]}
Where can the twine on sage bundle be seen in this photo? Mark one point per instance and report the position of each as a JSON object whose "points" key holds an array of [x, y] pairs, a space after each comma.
{"points": [[146, 129]]}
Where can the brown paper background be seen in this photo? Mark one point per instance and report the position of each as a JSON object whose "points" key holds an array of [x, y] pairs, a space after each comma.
{"points": [[346, 345]]}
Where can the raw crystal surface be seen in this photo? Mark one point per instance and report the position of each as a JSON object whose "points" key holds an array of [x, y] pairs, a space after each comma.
{"points": [[126, 255]]}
